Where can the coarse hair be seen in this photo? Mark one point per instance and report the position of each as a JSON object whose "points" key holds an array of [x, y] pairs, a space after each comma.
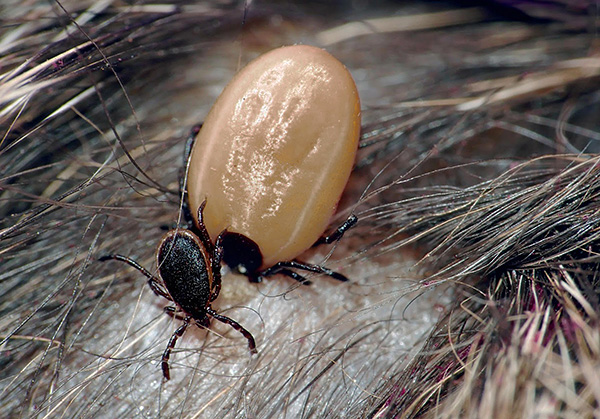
{"points": [[473, 267]]}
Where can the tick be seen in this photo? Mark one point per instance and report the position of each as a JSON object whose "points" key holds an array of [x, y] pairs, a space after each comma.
{"points": [[272, 159], [189, 275]]}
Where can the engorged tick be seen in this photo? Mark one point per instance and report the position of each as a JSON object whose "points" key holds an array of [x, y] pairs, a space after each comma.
{"points": [[272, 159]]}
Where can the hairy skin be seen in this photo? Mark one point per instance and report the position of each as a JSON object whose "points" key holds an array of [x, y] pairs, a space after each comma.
{"points": [[90, 152]]}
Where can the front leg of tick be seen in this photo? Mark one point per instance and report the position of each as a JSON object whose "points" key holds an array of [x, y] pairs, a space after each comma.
{"points": [[201, 230], [216, 266], [185, 207], [174, 312], [153, 282]]}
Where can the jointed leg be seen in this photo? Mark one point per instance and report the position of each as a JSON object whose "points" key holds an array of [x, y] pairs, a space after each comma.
{"points": [[189, 144], [201, 230], [167, 353], [158, 289], [153, 282], [293, 275], [174, 312], [339, 232], [216, 266], [280, 268], [236, 326], [185, 207]]}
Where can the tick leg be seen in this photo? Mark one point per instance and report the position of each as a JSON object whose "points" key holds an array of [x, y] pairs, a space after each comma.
{"points": [[280, 268], [153, 282], [202, 232], [204, 323], [236, 326], [294, 275], [158, 289], [189, 143], [187, 150], [128, 261], [167, 353], [174, 312], [185, 207], [216, 267], [339, 232]]}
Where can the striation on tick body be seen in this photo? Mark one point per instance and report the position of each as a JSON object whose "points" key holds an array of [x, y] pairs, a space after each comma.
{"points": [[276, 150]]}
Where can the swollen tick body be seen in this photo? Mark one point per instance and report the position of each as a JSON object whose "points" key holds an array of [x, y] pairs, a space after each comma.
{"points": [[273, 157]]}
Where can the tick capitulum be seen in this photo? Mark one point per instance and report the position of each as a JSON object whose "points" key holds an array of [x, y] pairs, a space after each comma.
{"points": [[189, 275]]}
